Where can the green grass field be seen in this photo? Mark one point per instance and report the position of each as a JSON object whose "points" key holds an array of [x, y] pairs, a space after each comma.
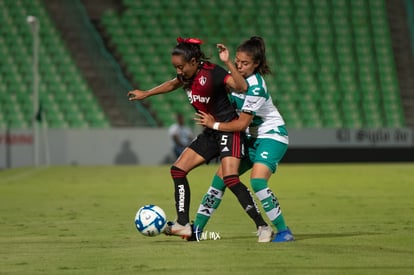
{"points": [[347, 219]]}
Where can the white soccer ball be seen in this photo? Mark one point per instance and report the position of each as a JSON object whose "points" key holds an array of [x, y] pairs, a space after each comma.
{"points": [[150, 220]]}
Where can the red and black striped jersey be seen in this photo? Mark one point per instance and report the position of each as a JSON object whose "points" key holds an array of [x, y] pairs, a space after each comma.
{"points": [[207, 92]]}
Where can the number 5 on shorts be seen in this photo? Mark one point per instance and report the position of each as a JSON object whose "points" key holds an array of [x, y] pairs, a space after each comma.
{"points": [[224, 139]]}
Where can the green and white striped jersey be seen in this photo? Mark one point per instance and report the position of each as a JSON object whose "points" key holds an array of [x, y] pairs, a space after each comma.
{"points": [[267, 121]]}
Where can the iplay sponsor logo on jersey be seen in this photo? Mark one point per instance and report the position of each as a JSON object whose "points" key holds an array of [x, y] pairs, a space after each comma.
{"points": [[197, 98]]}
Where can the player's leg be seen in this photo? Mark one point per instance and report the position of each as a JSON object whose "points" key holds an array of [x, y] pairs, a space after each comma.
{"points": [[232, 181], [212, 199], [268, 155], [231, 151], [188, 160], [210, 202], [202, 149]]}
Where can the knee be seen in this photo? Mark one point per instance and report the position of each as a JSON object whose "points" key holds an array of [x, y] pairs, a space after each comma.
{"points": [[231, 180], [177, 172]]}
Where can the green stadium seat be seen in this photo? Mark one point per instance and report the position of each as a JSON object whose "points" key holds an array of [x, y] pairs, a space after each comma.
{"points": [[319, 48], [55, 65]]}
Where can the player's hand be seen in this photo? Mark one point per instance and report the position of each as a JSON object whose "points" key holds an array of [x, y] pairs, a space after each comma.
{"points": [[204, 119], [223, 53], [136, 95]]}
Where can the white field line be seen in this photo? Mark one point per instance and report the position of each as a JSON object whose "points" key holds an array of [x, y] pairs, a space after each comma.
{"points": [[21, 176]]}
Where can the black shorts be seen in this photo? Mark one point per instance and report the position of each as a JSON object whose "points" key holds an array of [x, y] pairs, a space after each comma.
{"points": [[211, 144]]}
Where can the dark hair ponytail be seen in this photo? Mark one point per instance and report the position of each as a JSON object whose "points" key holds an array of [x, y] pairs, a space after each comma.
{"points": [[255, 47], [189, 48]]}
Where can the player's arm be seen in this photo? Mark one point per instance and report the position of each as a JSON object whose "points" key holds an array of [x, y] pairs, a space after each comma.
{"points": [[165, 87], [237, 125], [236, 81]]}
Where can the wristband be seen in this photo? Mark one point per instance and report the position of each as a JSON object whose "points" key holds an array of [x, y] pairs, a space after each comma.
{"points": [[216, 125]]}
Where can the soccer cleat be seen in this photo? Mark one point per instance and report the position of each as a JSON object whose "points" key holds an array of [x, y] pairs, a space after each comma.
{"points": [[265, 234], [284, 236], [176, 229], [196, 234]]}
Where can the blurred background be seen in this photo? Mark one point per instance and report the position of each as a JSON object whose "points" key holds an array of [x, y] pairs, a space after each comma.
{"points": [[343, 76]]}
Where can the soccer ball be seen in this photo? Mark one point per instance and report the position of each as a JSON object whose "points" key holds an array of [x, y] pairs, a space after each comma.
{"points": [[150, 220]]}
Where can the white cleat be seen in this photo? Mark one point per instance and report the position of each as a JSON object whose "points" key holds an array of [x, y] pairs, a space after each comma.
{"points": [[265, 234], [176, 229]]}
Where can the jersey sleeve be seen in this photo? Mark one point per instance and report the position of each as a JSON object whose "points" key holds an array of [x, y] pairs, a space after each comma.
{"points": [[220, 76], [255, 97]]}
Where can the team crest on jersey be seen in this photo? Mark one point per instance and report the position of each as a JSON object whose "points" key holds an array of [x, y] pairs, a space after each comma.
{"points": [[202, 80]]}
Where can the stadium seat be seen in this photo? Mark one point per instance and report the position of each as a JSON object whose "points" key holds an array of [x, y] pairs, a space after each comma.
{"points": [[321, 53], [56, 68]]}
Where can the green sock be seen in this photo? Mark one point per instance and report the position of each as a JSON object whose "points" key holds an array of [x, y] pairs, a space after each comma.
{"points": [[269, 203], [209, 203]]}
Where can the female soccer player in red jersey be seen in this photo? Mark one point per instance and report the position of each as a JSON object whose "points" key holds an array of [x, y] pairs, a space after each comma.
{"points": [[206, 86]]}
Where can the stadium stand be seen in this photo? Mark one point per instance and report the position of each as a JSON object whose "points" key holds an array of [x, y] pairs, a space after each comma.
{"points": [[65, 98], [332, 60]]}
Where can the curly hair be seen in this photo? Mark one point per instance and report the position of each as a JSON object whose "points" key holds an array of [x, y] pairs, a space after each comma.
{"points": [[189, 50]]}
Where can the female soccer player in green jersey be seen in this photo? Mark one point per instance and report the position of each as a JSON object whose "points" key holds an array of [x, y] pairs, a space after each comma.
{"points": [[267, 142]]}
